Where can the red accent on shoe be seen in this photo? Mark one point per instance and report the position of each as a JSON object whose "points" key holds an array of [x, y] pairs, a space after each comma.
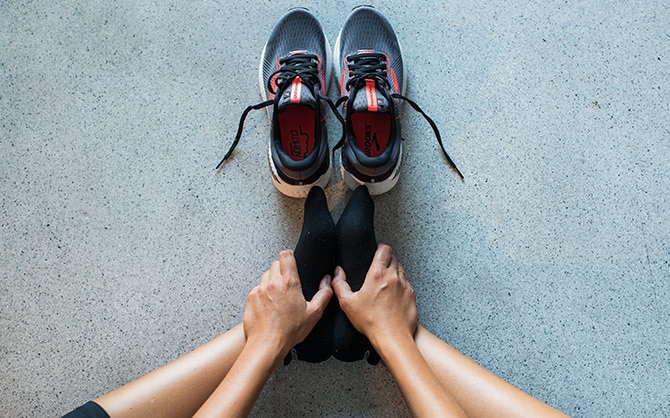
{"points": [[372, 132], [296, 90], [297, 130], [371, 95]]}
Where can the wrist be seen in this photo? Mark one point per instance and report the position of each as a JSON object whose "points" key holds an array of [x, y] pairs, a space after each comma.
{"points": [[383, 340], [271, 350]]}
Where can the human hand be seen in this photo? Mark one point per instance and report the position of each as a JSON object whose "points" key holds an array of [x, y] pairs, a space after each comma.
{"points": [[385, 306], [277, 314]]}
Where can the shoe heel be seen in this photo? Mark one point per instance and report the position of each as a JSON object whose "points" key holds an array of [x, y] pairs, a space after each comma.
{"points": [[375, 188], [300, 191]]}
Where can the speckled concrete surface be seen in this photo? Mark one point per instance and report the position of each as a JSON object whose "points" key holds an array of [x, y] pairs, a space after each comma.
{"points": [[122, 248]]}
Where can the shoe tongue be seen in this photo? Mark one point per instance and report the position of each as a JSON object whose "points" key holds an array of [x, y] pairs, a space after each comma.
{"points": [[369, 98], [297, 93]]}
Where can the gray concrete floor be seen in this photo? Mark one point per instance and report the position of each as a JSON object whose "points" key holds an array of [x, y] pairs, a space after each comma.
{"points": [[122, 248]]}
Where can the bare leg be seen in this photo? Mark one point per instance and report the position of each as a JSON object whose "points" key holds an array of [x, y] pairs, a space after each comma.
{"points": [[478, 391], [179, 388]]}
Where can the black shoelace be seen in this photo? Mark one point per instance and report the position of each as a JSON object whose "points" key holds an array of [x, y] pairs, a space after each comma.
{"points": [[372, 66], [296, 65]]}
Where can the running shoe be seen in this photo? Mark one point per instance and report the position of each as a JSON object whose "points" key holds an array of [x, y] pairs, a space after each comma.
{"points": [[293, 74], [373, 81]]}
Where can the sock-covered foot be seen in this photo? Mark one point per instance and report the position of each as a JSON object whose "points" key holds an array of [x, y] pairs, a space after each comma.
{"points": [[355, 250], [315, 258]]}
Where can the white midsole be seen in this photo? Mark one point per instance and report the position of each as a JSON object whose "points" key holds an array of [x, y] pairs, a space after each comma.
{"points": [[375, 188], [291, 190]]}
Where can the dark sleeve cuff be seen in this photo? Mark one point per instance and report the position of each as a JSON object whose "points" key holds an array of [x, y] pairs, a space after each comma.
{"points": [[88, 410]]}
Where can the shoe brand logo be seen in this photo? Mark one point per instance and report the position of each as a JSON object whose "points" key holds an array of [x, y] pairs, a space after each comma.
{"points": [[371, 95], [299, 144], [370, 140], [296, 90]]}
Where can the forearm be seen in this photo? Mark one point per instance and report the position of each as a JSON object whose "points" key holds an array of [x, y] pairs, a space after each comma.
{"points": [[179, 388], [276, 318], [478, 391], [421, 389], [236, 394]]}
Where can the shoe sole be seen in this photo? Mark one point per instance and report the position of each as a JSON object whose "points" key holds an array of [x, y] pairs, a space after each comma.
{"points": [[292, 190], [351, 180]]}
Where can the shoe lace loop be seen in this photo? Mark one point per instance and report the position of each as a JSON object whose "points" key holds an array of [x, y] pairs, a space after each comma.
{"points": [[367, 66], [304, 66], [295, 65], [373, 66]]}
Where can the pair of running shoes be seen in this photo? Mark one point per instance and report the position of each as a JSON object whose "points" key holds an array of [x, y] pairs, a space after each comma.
{"points": [[294, 73]]}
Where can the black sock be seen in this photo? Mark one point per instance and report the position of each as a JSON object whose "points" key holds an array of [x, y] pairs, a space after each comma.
{"points": [[355, 251], [315, 257]]}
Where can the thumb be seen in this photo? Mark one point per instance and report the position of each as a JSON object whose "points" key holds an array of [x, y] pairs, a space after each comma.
{"points": [[340, 285], [321, 298]]}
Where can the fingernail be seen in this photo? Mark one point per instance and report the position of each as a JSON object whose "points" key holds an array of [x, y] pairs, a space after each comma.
{"points": [[338, 270]]}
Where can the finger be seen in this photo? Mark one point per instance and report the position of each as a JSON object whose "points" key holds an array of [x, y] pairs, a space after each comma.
{"points": [[382, 255], [320, 300], [326, 282], [339, 284], [401, 271], [274, 271], [287, 265], [393, 265], [265, 277]]}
